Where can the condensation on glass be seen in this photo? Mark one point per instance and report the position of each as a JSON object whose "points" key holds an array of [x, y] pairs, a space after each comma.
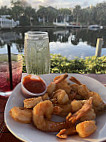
{"points": [[37, 54]]}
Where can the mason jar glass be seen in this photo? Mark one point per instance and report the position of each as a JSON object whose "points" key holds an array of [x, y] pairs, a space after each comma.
{"points": [[36, 51]]}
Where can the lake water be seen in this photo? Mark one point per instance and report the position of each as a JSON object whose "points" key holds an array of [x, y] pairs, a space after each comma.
{"points": [[70, 43]]}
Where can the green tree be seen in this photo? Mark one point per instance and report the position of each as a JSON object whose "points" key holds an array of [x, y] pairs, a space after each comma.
{"points": [[43, 14], [5, 11], [31, 16], [17, 9], [23, 12], [101, 13], [52, 14], [77, 13], [65, 13]]}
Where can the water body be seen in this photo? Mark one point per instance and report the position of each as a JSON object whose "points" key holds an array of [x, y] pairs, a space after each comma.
{"points": [[70, 43]]}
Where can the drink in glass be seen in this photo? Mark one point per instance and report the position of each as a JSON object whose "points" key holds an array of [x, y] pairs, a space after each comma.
{"points": [[16, 61], [37, 54]]}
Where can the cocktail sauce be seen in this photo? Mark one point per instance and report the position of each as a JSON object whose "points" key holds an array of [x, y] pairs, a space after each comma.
{"points": [[34, 85]]}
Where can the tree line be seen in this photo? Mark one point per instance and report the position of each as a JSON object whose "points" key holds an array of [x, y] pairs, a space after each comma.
{"points": [[28, 16]]}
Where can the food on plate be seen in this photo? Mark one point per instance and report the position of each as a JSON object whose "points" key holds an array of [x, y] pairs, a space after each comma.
{"points": [[64, 133], [45, 96], [31, 102], [62, 84], [77, 104], [90, 115], [58, 82], [63, 110], [81, 112], [60, 97], [83, 91], [86, 128], [42, 114], [21, 114]]}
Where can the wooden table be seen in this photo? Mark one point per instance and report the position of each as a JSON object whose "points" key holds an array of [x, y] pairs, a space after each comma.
{"points": [[6, 136]]}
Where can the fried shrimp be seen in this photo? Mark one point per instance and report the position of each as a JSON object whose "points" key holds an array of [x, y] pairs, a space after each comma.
{"points": [[90, 115], [45, 97], [52, 86], [42, 113], [20, 114], [98, 103], [73, 79], [31, 102], [60, 96], [63, 84], [83, 91], [81, 112], [86, 128], [76, 105], [64, 110], [66, 132], [57, 110]]}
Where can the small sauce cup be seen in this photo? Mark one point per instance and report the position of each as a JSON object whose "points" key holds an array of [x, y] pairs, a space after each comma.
{"points": [[33, 85]]}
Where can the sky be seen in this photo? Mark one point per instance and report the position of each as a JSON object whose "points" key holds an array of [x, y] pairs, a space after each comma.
{"points": [[56, 3]]}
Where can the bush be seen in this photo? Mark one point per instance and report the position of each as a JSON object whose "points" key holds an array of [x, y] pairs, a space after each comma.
{"points": [[60, 64]]}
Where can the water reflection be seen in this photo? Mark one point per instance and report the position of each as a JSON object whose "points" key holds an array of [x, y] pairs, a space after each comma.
{"points": [[12, 38], [74, 37]]}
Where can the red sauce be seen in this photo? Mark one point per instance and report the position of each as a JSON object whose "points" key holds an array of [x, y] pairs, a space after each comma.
{"points": [[34, 85]]}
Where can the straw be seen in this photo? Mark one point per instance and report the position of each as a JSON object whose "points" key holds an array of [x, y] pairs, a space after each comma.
{"points": [[10, 66]]}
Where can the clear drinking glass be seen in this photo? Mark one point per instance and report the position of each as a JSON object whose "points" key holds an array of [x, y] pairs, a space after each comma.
{"points": [[37, 54], [17, 62]]}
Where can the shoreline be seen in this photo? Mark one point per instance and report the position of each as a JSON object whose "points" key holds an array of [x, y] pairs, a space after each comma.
{"points": [[49, 27]]}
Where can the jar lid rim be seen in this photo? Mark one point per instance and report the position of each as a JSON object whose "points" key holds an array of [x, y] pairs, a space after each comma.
{"points": [[36, 33]]}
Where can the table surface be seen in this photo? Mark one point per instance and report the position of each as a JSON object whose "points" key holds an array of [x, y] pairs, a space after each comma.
{"points": [[6, 136]]}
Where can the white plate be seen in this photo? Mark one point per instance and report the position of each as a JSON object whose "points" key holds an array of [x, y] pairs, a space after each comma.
{"points": [[28, 133]]}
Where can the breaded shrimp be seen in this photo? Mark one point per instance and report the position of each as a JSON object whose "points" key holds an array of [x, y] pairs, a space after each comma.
{"points": [[52, 86], [63, 84], [81, 112], [66, 132], [61, 97], [98, 103], [73, 79], [77, 104], [74, 106], [42, 113], [45, 97], [64, 110], [86, 128], [57, 110], [90, 115], [31, 102], [20, 114], [83, 91]]}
